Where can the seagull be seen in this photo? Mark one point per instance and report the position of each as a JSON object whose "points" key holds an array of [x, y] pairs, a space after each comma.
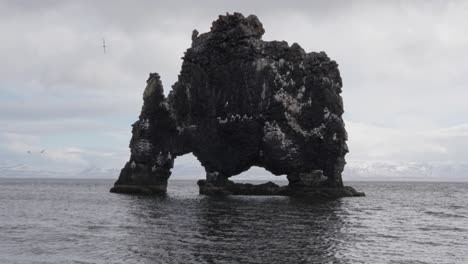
{"points": [[42, 151], [104, 45], [29, 152]]}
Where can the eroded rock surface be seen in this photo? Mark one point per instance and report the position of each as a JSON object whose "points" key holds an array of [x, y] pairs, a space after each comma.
{"points": [[240, 102]]}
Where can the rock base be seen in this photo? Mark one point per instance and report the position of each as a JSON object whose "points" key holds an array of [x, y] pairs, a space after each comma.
{"points": [[346, 191], [270, 188], [138, 189]]}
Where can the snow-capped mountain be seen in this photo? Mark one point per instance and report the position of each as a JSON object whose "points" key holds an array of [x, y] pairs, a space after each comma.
{"points": [[27, 171], [355, 170], [99, 173], [405, 171]]}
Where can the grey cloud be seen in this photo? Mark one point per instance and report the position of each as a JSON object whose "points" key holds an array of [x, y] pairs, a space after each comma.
{"points": [[374, 143], [46, 108], [61, 126], [403, 64]]}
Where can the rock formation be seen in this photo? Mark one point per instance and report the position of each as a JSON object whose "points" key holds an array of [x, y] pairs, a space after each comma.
{"points": [[240, 102]]}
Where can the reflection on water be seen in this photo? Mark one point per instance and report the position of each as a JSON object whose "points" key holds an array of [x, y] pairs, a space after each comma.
{"points": [[265, 230], [235, 230], [57, 221]]}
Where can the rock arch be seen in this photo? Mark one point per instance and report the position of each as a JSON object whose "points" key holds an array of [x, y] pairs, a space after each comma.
{"points": [[240, 102]]}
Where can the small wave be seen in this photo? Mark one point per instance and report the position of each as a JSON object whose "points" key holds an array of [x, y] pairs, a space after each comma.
{"points": [[442, 228], [445, 215]]}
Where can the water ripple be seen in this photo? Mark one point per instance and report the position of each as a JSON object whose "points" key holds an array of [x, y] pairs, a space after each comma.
{"points": [[63, 221]]}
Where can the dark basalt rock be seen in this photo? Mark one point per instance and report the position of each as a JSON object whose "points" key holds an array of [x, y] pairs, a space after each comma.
{"points": [[240, 102]]}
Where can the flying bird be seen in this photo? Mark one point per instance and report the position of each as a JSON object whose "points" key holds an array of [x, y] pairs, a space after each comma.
{"points": [[29, 152], [104, 45], [42, 151]]}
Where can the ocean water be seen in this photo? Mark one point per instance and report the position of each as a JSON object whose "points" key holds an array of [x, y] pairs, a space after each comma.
{"points": [[79, 221]]}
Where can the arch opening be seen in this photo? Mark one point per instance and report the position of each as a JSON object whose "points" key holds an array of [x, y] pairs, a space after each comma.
{"points": [[258, 175], [186, 172], [187, 167]]}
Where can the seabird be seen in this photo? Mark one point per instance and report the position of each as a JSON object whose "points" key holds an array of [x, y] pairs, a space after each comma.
{"points": [[104, 45]]}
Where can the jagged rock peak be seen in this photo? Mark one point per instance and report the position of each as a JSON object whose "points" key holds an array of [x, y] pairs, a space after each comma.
{"points": [[236, 24]]}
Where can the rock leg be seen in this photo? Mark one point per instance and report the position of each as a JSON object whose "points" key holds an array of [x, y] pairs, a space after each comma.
{"points": [[314, 185], [215, 184], [142, 178]]}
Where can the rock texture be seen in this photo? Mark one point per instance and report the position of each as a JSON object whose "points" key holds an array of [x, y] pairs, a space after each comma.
{"points": [[240, 102]]}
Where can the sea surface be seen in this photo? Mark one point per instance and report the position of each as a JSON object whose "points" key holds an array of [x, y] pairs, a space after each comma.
{"points": [[79, 221]]}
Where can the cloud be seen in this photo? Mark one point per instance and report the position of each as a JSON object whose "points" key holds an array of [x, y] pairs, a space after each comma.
{"points": [[26, 149], [403, 65], [374, 143]]}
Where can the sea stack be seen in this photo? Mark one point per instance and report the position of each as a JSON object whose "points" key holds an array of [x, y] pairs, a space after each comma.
{"points": [[240, 102]]}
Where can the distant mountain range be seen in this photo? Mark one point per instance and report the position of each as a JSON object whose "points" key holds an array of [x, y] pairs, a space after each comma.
{"points": [[26, 171], [355, 170], [405, 171]]}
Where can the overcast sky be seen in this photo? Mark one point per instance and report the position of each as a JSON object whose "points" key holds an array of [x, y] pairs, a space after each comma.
{"points": [[404, 66]]}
